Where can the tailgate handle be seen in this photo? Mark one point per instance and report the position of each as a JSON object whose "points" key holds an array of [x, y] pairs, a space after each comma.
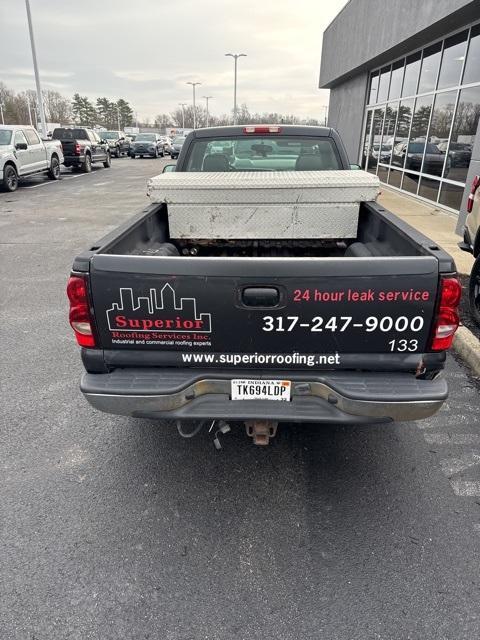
{"points": [[260, 296]]}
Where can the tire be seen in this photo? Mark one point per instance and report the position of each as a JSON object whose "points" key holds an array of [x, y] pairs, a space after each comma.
{"points": [[54, 171], [474, 291], [108, 162], [10, 178], [87, 165]]}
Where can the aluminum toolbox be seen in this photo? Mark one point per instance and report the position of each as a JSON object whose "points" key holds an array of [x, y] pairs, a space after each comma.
{"points": [[264, 204]]}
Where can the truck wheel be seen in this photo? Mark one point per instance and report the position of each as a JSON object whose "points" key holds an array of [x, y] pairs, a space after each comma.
{"points": [[108, 162], [474, 291], [87, 165], [10, 178], [54, 171]]}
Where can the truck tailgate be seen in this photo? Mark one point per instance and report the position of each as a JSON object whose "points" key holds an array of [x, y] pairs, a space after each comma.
{"points": [[263, 312]]}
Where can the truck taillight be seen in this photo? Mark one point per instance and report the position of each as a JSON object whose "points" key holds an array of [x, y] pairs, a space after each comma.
{"points": [[473, 191], [79, 316], [262, 130], [77, 150], [447, 319]]}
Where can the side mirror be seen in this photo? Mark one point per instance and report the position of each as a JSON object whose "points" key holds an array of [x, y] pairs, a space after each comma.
{"points": [[21, 146], [168, 168], [355, 167]]}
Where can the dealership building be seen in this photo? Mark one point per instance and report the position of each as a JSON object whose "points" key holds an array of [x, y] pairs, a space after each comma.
{"points": [[404, 80]]}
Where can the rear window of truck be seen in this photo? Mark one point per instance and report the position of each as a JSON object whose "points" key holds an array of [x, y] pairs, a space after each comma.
{"points": [[276, 153], [70, 134]]}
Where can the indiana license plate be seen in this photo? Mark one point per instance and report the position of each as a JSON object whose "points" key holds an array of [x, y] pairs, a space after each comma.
{"points": [[261, 390]]}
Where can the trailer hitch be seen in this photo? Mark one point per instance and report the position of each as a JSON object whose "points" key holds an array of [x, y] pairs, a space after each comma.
{"points": [[261, 430]]}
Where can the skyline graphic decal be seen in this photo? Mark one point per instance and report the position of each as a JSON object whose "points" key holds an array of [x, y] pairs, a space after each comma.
{"points": [[157, 313]]}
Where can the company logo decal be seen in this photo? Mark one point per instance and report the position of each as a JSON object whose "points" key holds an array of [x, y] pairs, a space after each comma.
{"points": [[160, 313]]}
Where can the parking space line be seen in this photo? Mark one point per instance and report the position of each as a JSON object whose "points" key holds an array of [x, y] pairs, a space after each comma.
{"points": [[451, 466], [452, 438], [42, 184], [466, 488]]}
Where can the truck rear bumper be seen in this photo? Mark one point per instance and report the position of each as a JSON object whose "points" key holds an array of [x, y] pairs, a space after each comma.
{"points": [[333, 397]]}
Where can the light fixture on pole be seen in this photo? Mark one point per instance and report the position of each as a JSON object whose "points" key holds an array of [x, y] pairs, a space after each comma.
{"points": [[194, 84], [325, 111], [207, 98], [235, 56], [43, 123], [183, 105]]}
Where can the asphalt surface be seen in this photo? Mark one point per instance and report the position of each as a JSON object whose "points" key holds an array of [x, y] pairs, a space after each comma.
{"points": [[117, 529]]}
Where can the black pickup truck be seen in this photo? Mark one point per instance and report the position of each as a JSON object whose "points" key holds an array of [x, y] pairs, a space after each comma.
{"points": [[341, 332], [82, 148]]}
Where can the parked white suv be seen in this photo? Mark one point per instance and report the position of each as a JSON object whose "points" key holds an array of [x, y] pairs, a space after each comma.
{"points": [[23, 153]]}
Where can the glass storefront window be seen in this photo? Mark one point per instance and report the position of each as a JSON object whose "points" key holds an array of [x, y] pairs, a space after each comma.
{"points": [[410, 182], [472, 64], [404, 118], [430, 62], [383, 84], [452, 60], [463, 134], [389, 123], [366, 142], [439, 132], [382, 173], [395, 178], [373, 88], [376, 139], [421, 140], [451, 195], [412, 69], [429, 188], [396, 79], [418, 135]]}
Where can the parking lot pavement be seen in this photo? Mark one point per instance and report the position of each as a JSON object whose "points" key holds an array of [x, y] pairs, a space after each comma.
{"points": [[114, 528]]}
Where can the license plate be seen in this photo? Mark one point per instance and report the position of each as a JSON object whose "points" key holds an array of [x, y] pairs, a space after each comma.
{"points": [[261, 390]]}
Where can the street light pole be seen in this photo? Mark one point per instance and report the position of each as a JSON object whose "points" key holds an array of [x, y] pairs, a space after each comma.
{"points": [[183, 105], [194, 84], [28, 106], [43, 123], [207, 98], [235, 56], [118, 119], [1, 112]]}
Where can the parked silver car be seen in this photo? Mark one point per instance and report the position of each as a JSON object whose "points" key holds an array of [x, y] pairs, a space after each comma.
{"points": [[23, 153]]}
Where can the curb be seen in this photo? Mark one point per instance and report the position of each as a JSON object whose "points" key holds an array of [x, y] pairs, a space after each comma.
{"points": [[467, 347]]}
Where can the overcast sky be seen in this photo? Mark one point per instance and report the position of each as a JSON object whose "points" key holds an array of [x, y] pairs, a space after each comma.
{"points": [[146, 50]]}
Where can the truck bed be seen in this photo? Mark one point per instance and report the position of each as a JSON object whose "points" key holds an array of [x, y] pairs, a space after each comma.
{"points": [[335, 280]]}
